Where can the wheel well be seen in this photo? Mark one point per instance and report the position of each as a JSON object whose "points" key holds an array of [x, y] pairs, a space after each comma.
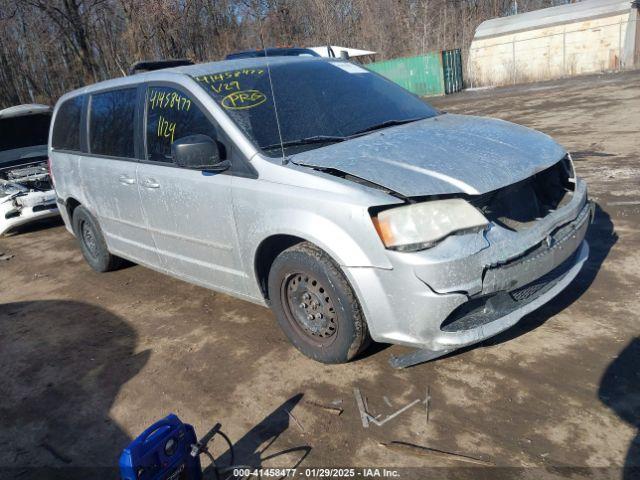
{"points": [[267, 252], [71, 204]]}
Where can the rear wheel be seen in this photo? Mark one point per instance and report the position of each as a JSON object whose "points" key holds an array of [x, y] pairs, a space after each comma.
{"points": [[92, 243], [315, 306]]}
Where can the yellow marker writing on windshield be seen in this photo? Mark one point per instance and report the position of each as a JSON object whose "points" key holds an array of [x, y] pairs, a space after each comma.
{"points": [[243, 100]]}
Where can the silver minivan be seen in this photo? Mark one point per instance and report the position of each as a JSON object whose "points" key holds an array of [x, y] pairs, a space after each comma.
{"points": [[351, 207]]}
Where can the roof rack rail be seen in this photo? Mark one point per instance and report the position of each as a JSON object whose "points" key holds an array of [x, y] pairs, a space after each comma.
{"points": [[148, 65]]}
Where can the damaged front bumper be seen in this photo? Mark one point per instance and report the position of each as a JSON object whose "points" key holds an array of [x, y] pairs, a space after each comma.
{"points": [[25, 208], [474, 286]]}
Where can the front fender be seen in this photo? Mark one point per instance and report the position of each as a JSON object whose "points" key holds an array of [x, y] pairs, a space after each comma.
{"points": [[330, 236], [344, 230]]}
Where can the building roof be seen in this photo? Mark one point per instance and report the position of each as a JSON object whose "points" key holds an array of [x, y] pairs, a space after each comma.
{"points": [[546, 17]]}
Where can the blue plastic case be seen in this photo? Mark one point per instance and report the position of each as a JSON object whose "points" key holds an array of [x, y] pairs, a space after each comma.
{"points": [[162, 452]]}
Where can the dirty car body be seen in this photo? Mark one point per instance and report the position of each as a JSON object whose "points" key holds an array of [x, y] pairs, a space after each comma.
{"points": [[448, 228], [26, 193]]}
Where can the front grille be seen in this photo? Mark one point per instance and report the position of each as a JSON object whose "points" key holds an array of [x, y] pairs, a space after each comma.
{"points": [[518, 206], [526, 292], [485, 309], [544, 283]]}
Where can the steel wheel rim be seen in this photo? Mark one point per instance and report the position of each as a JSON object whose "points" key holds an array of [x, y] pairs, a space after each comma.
{"points": [[309, 308], [89, 239]]}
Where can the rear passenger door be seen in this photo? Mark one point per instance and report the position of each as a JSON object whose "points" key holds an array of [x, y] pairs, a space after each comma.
{"points": [[108, 172], [189, 212]]}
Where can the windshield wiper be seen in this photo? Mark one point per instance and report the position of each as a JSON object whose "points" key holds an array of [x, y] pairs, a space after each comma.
{"points": [[335, 138], [380, 126], [306, 141]]}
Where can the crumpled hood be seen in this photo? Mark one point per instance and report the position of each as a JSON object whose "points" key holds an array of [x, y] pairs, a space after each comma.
{"points": [[440, 155]]}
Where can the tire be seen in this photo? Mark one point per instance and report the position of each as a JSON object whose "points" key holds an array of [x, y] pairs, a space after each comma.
{"points": [[92, 243], [304, 281]]}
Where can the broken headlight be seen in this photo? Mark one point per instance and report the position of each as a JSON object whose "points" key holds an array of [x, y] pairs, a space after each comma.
{"points": [[422, 225]]}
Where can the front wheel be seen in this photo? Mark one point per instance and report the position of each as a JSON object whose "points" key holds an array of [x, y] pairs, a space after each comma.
{"points": [[315, 306]]}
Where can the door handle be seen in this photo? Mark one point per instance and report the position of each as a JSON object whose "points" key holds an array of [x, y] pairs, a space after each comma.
{"points": [[123, 179], [150, 183]]}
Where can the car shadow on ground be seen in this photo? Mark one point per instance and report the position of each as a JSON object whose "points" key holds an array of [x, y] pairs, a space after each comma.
{"points": [[36, 225], [64, 363], [372, 349], [254, 450], [620, 391]]}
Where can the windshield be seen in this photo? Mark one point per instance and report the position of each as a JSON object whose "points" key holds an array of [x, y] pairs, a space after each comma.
{"points": [[318, 102], [24, 131]]}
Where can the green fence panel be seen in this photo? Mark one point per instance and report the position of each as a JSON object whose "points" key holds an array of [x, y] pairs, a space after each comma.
{"points": [[422, 75]]}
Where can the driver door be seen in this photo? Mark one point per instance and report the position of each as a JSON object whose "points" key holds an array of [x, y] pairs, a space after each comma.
{"points": [[189, 212]]}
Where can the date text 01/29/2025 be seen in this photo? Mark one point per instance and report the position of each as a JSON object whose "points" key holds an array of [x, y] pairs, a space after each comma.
{"points": [[316, 472]]}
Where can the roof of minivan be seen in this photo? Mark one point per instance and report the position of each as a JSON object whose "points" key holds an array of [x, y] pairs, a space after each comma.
{"points": [[196, 70], [273, 51], [239, 63]]}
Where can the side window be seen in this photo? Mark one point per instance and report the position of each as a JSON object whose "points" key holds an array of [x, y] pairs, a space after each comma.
{"points": [[111, 123], [66, 130], [171, 114]]}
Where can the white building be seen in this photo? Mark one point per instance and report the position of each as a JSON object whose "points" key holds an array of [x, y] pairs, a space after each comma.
{"points": [[585, 37]]}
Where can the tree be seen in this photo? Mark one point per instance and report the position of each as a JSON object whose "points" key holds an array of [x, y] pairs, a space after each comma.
{"points": [[48, 47]]}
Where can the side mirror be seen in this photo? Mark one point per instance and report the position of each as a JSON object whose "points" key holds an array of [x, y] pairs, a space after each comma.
{"points": [[198, 152]]}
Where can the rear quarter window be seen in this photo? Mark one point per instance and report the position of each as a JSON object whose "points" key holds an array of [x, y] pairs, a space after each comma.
{"points": [[66, 129], [111, 123]]}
